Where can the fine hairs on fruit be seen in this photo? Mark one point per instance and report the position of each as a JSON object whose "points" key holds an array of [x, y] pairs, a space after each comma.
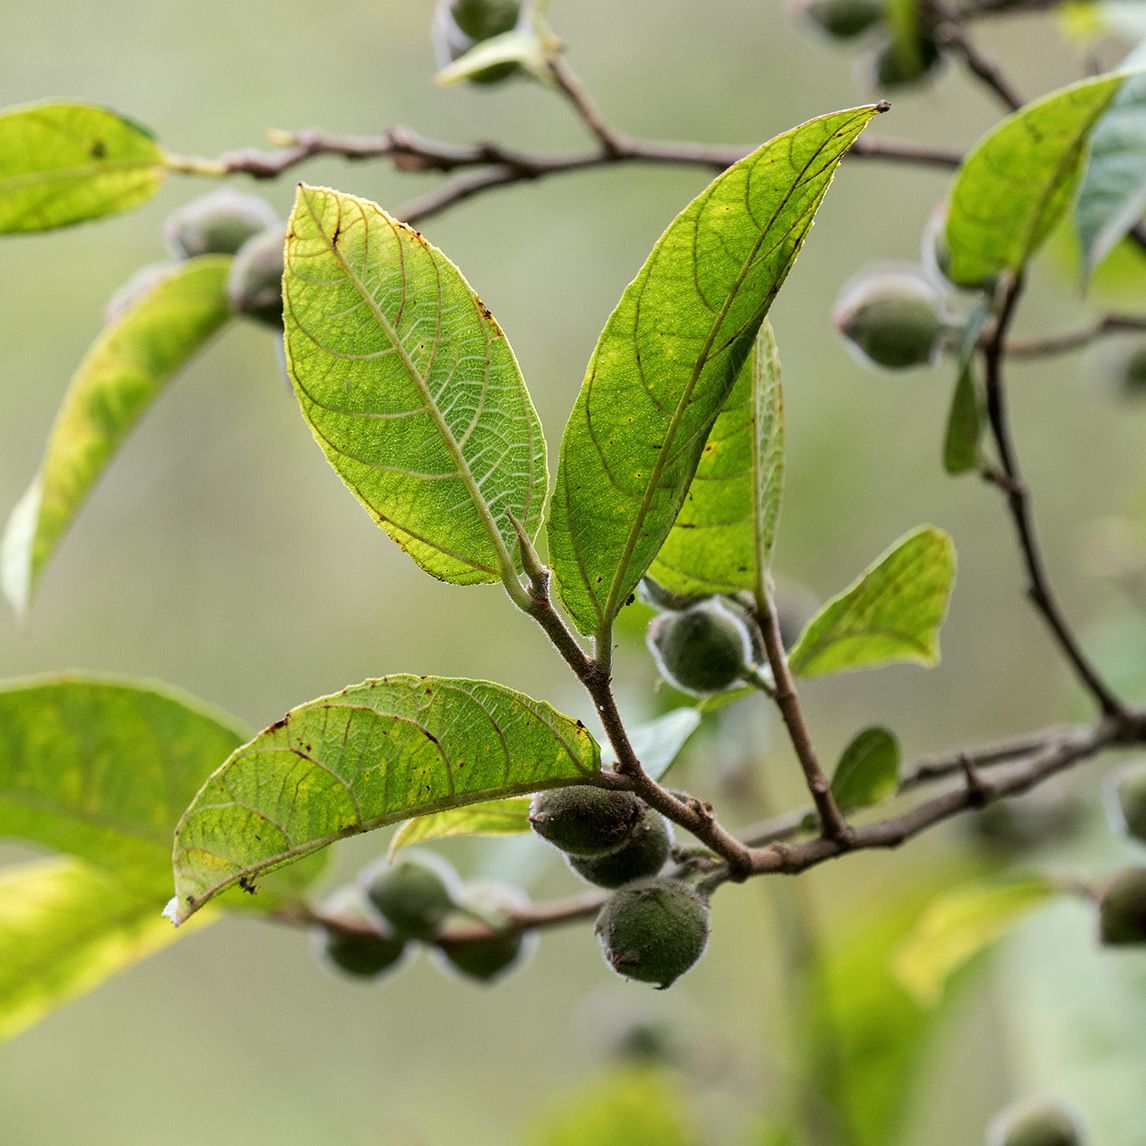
{"points": [[413, 895], [584, 820], [643, 854], [891, 317], [704, 649]]}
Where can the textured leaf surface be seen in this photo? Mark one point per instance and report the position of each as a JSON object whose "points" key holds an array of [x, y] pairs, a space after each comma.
{"points": [[892, 613], [668, 357], [722, 538], [959, 925], [63, 163], [1112, 197], [509, 817], [868, 771], [373, 754], [123, 372], [65, 927], [410, 387], [965, 418], [1019, 179]]}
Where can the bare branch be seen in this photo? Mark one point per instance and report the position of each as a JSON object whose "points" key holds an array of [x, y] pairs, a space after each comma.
{"points": [[1075, 339]]}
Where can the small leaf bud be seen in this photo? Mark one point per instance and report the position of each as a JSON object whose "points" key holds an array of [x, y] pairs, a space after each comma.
{"points": [[583, 820], [414, 894], [1122, 909], [840, 19], [642, 855], [892, 318], [255, 284], [704, 649], [217, 224], [653, 930], [1035, 1124]]}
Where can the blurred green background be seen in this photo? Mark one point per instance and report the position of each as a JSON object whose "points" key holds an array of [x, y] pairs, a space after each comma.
{"points": [[221, 554]]}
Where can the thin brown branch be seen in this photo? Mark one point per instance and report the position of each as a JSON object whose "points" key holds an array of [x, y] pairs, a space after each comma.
{"points": [[1018, 500], [987, 70], [1075, 339], [571, 87]]}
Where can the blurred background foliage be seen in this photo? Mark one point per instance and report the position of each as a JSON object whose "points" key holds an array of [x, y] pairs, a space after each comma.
{"points": [[223, 555]]}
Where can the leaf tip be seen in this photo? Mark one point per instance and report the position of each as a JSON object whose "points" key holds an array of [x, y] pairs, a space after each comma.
{"points": [[171, 912], [882, 106]]}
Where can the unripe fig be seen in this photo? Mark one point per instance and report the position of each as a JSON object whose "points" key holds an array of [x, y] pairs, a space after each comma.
{"points": [[840, 19], [490, 957], [892, 319], [1130, 792], [255, 284], [583, 820], [1035, 1124], [217, 224], [414, 894], [363, 953], [459, 25], [704, 649], [893, 66], [1122, 909], [642, 855], [653, 930]]}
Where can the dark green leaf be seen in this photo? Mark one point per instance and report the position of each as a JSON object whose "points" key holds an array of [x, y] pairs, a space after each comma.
{"points": [[64, 928], [64, 163], [373, 754], [1018, 181], [891, 613], [723, 536], [965, 418], [868, 771], [123, 372], [411, 388], [668, 357], [1112, 197]]}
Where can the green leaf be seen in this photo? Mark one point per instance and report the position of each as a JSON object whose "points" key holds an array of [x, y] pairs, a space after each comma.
{"points": [[373, 754], [64, 163], [668, 357], [658, 743], [1112, 197], [64, 928], [891, 613], [628, 1106], [123, 372], [722, 538], [411, 388], [965, 418], [508, 817], [868, 771], [1017, 182], [522, 46], [960, 924]]}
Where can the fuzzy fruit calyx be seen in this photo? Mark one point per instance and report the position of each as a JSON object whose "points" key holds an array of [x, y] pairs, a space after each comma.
{"points": [[653, 930]]}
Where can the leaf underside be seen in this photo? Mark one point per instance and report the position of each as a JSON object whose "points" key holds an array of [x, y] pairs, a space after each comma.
{"points": [[411, 388], [668, 357], [376, 753], [868, 770], [121, 375], [65, 163]]}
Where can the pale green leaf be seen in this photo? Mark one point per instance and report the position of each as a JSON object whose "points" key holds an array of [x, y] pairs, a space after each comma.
{"points": [[628, 1106], [123, 372], [960, 924], [868, 771], [965, 418], [378, 752], [891, 613], [658, 743], [64, 163], [1112, 197], [65, 927], [668, 357], [411, 388], [1019, 179], [722, 538], [521, 46], [508, 817]]}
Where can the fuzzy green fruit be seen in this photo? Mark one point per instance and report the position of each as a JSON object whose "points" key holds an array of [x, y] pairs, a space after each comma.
{"points": [[1130, 788], [1035, 1124], [891, 319], [484, 19], [703, 650], [840, 19], [217, 224], [490, 957], [895, 65], [413, 895], [653, 930], [1122, 909], [459, 25], [1132, 374], [255, 284], [642, 855], [362, 950], [583, 820]]}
